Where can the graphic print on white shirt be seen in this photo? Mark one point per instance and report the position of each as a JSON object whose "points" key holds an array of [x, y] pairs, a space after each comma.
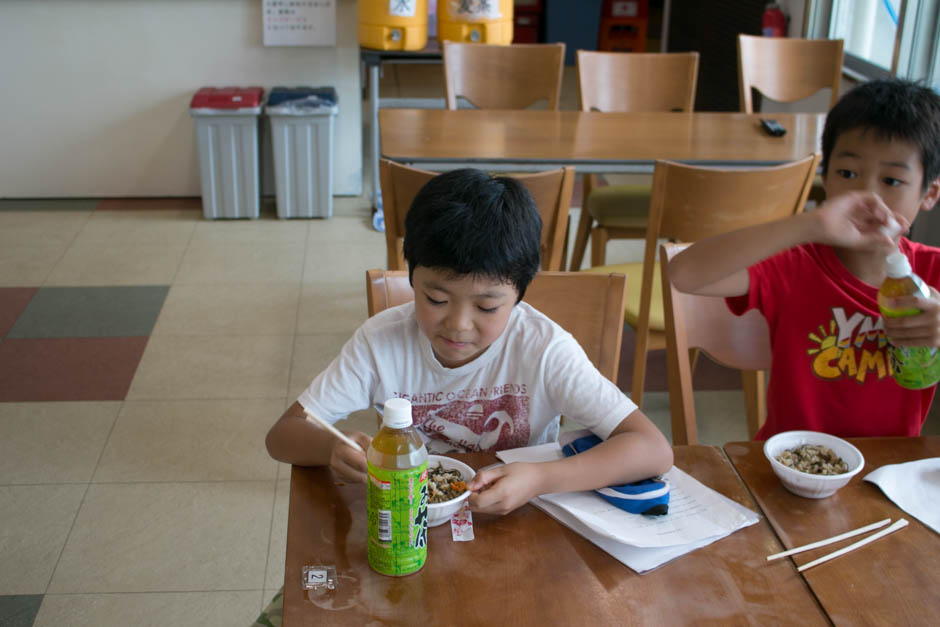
{"points": [[476, 425]]}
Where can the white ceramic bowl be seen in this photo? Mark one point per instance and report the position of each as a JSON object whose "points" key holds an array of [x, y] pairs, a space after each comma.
{"points": [[804, 483], [440, 513]]}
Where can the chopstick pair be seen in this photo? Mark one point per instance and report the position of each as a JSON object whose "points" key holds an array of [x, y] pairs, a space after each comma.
{"points": [[899, 524], [342, 436]]}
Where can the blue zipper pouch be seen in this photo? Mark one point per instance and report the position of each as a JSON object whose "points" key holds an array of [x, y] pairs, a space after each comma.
{"points": [[649, 497]]}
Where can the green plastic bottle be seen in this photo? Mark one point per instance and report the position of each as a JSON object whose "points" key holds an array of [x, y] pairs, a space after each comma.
{"points": [[397, 503], [913, 367]]}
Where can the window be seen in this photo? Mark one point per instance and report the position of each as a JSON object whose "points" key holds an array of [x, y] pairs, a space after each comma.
{"points": [[868, 27], [882, 37]]}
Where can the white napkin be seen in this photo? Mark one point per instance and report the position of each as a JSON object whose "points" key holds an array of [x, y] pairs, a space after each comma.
{"points": [[914, 487]]}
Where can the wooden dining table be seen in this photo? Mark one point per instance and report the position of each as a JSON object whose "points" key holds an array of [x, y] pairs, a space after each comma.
{"points": [[525, 568], [892, 581], [532, 140]]}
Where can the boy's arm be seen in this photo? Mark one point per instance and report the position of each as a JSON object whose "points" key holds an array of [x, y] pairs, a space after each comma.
{"points": [[295, 440], [717, 266], [635, 450]]}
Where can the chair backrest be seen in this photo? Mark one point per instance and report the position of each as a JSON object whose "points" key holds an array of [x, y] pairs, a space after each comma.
{"points": [[588, 306], [787, 69], [689, 203], [551, 191], [493, 76], [705, 323], [637, 81]]}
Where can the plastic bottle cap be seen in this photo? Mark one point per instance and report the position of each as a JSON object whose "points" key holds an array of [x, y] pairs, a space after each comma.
{"points": [[397, 413], [897, 265]]}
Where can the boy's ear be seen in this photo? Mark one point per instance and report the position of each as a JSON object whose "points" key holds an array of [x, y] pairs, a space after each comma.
{"points": [[931, 196]]}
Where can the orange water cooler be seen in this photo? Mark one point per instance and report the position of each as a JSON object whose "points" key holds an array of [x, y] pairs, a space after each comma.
{"points": [[393, 24], [475, 21]]}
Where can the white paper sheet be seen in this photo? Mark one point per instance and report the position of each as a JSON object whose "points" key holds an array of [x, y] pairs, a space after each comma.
{"points": [[697, 516], [914, 487], [639, 559]]}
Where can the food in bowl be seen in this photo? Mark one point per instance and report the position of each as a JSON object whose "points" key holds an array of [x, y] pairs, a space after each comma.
{"points": [[814, 486], [445, 484], [814, 459], [439, 512]]}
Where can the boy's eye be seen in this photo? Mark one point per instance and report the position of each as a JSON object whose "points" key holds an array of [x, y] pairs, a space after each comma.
{"points": [[489, 309], [893, 182], [846, 174], [435, 302]]}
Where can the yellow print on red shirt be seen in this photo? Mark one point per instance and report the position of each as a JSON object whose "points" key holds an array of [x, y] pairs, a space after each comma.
{"points": [[852, 347]]}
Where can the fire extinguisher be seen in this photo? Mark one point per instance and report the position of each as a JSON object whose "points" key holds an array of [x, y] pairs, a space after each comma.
{"points": [[774, 22]]}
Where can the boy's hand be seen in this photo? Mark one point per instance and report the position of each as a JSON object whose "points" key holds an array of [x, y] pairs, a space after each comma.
{"points": [[347, 463], [504, 488], [922, 329], [857, 220]]}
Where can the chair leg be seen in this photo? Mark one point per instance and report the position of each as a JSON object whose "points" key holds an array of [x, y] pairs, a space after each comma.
{"points": [[754, 383], [564, 246], [599, 237], [639, 367], [581, 237]]}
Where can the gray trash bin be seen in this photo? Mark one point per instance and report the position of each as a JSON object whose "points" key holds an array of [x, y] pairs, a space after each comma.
{"points": [[302, 142], [227, 134]]}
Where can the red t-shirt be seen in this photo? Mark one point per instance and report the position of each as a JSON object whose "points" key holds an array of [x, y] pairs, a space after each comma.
{"points": [[830, 369]]}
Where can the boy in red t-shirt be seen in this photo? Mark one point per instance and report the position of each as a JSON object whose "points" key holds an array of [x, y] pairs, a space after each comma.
{"points": [[815, 276]]}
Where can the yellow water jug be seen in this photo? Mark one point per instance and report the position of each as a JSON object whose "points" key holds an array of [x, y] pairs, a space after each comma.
{"points": [[393, 24], [477, 21]]}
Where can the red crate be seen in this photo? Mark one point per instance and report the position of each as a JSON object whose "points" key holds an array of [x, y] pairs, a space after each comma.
{"points": [[622, 35], [625, 9]]}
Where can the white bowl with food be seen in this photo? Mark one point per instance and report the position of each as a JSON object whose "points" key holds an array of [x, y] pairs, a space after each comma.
{"points": [[447, 479], [812, 464]]}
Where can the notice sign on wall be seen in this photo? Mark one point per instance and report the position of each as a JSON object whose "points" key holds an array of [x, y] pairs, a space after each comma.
{"points": [[299, 22]]}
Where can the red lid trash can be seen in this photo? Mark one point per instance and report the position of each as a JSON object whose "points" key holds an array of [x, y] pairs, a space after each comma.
{"points": [[227, 137]]}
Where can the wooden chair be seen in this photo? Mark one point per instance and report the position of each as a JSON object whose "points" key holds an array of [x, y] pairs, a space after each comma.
{"points": [[787, 70], [492, 76], [589, 306], [551, 191], [691, 203], [704, 323], [623, 82]]}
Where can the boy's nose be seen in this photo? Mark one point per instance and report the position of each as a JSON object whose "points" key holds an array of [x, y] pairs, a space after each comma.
{"points": [[459, 320]]}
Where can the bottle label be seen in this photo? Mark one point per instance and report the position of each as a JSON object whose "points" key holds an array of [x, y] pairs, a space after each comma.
{"points": [[915, 367], [398, 519]]}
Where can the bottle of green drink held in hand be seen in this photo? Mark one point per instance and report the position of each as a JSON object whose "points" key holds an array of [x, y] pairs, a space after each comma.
{"points": [[913, 367], [397, 502]]}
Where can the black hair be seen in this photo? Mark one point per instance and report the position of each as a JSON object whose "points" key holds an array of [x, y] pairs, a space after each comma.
{"points": [[893, 109], [470, 223]]}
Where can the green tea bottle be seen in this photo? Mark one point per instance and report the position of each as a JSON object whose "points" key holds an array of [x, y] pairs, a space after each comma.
{"points": [[913, 367], [397, 503]]}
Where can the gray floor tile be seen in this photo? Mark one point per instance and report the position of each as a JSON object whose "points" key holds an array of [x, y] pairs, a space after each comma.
{"points": [[19, 610], [119, 311]]}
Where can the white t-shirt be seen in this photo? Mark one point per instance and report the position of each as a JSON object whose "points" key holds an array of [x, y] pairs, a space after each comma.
{"points": [[510, 396]]}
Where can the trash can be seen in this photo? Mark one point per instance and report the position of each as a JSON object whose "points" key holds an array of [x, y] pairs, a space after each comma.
{"points": [[227, 134], [302, 142]]}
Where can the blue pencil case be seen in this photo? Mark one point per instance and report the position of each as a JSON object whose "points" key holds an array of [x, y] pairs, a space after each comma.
{"points": [[649, 497]]}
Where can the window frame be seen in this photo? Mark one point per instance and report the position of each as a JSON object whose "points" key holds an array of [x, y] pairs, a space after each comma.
{"points": [[916, 45]]}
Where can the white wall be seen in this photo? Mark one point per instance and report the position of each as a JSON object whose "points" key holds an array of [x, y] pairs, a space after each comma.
{"points": [[95, 94]]}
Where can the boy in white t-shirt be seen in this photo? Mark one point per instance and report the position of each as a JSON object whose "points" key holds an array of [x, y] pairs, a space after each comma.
{"points": [[483, 371]]}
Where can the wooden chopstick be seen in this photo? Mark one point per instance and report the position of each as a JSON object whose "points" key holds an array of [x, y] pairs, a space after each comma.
{"points": [[342, 436], [900, 524], [843, 536]]}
